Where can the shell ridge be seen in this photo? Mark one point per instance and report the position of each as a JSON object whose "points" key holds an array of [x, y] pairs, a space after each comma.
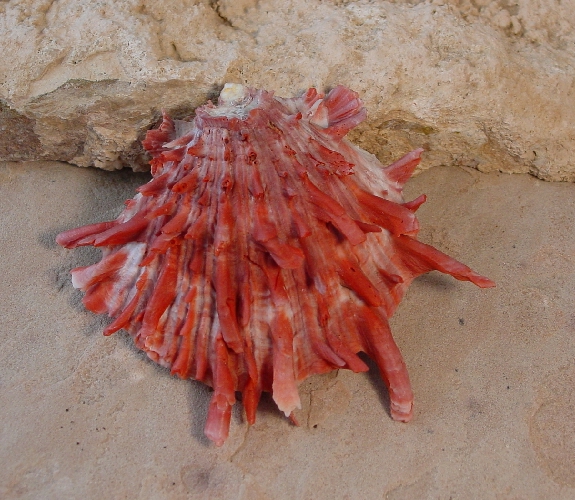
{"points": [[423, 258], [121, 321], [323, 357], [284, 389], [277, 146], [162, 296], [401, 170], [244, 195], [326, 206], [183, 365], [206, 306], [267, 230], [182, 357], [381, 347], [324, 280], [126, 277], [165, 340], [225, 289], [220, 409], [345, 110]]}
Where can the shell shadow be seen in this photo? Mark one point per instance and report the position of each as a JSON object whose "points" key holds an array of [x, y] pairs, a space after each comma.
{"points": [[377, 382], [437, 280], [198, 395]]}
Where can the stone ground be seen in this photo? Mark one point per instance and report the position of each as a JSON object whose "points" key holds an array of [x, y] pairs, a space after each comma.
{"points": [[84, 416]]}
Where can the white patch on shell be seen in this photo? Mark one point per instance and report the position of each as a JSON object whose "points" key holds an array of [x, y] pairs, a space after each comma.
{"points": [[235, 101], [318, 114]]}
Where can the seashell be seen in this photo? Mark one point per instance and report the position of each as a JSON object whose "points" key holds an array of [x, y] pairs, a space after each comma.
{"points": [[266, 249]]}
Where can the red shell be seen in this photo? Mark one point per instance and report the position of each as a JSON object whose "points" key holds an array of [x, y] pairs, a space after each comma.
{"points": [[267, 248]]}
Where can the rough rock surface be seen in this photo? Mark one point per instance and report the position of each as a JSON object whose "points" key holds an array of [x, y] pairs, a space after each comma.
{"points": [[488, 84]]}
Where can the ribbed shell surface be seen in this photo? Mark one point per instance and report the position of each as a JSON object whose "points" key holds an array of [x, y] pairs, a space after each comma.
{"points": [[266, 248]]}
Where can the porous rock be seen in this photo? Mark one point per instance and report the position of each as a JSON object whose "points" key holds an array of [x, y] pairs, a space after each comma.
{"points": [[476, 83]]}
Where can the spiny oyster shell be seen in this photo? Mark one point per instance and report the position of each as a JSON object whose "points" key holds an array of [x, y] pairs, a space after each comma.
{"points": [[266, 248]]}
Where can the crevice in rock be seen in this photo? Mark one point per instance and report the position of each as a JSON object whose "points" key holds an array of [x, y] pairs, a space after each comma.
{"points": [[215, 5]]}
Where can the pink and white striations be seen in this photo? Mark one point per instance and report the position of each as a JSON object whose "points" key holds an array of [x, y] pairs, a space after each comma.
{"points": [[266, 248]]}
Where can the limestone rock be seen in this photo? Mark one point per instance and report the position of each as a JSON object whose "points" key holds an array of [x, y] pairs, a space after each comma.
{"points": [[478, 83]]}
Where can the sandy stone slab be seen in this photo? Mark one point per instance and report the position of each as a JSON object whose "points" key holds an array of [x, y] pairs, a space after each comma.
{"points": [[83, 416]]}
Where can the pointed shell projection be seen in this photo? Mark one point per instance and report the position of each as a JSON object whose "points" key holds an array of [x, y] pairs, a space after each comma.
{"points": [[266, 249]]}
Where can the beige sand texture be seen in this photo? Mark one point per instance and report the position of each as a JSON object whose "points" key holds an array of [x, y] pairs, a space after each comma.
{"points": [[88, 417]]}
